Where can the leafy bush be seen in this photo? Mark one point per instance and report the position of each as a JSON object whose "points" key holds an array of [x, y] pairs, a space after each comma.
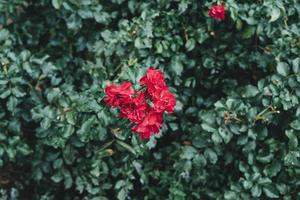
{"points": [[235, 130]]}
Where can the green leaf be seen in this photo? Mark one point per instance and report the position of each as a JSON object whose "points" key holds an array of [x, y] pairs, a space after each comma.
{"points": [[86, 127], [188, 153], [265, 158], [56, 3], [295, 124], [99, 198], [120, 184], [273, 169], [249, 32], [250, 91], [69, 154], [247, 184], [282, 68], [208, 127], [173, 126], [216, 138], [68, 131], [37, 174], [24, 150], [292, 158], [70, 116], [293, 140], [57, 177], [106, 145], [53, 94], [5, 94], [229, 195], [226, 135], [127, 147], [46, 123], [105, 153], [68, 182], [177, 65], [296, 65], [57, 163], [122, 194], [4, 34], [12, 103], [17, 92], [138, 43], [271, 191], [190, 44], [199, 160], [282, 188], [211, 155], [256, 191], [275, 14]]}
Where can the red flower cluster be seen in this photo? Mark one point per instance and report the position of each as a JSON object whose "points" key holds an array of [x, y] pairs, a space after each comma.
{"points": [[217, 12], [134, 105]]}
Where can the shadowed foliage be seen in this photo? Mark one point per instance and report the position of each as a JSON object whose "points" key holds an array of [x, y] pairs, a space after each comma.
{"points": [[235, 130]]}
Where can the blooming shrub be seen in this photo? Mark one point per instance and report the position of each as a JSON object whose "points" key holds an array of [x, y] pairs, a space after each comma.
{"points": [[234, 132]]}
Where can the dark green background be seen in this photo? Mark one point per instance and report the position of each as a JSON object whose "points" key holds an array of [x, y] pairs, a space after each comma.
{"points": [[235, 131]]}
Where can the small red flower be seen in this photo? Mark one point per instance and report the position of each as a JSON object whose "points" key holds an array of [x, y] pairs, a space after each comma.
{"points": [[154, 80], [164, 100], [217, 12], [135, 109], [116, 95], [150, 125]]}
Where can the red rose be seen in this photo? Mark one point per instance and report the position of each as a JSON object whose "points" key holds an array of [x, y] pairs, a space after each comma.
{"points": [[217, 12], [135, 109], [154, 80], [151, 124], [164, 100], [116, 95], [134, 105]]}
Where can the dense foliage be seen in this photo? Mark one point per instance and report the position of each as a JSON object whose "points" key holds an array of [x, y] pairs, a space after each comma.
{"points": [[235, 130]]}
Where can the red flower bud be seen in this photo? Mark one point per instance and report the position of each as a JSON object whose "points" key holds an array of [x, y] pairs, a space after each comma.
{"points": [[217, 12]]}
